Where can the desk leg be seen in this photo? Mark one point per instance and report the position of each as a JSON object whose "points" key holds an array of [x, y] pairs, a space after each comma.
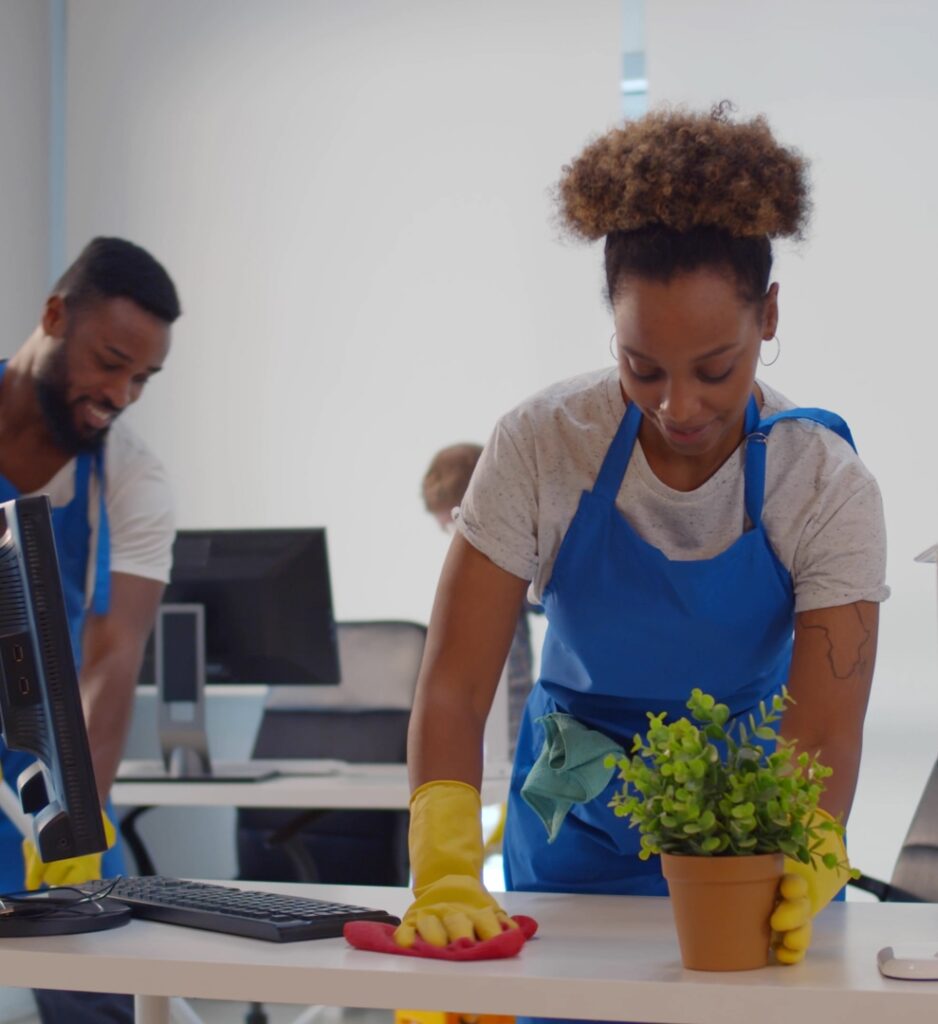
{"points": [[151, 1010]]}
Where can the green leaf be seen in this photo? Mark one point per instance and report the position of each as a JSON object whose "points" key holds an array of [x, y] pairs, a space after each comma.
{"points": [[693, 787], [721, 714]]}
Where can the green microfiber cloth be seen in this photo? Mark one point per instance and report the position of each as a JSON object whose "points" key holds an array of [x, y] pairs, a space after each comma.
{"points": [[569, 769]]}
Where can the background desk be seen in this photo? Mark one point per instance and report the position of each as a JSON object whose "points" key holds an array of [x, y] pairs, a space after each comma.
{"points": [[603, 957], [362, 786], [356, 786]]}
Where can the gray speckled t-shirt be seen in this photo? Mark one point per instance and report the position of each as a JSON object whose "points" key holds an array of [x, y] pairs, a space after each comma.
{"points": [[823, 512]]}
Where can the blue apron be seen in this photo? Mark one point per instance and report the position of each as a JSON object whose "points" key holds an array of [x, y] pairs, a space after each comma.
{"points": [[631, 631], [72, 530]]}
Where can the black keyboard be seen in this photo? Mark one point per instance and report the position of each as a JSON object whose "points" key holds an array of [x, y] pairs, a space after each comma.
{"points": [[220, 908]]}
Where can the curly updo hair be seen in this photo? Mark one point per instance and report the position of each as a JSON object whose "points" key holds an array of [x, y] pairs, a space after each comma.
{"points": [[674, 191]]}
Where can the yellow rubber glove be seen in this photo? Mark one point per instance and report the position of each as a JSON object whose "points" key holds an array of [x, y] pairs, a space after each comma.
{"points": [[72, 871], [804, 890], [446, 859]]}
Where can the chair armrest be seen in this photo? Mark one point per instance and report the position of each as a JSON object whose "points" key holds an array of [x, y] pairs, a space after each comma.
{"points": [[136, 845], [883, 891], [288, 839]]}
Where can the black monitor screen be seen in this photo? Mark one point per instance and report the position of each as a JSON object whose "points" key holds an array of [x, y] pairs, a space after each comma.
{"points": [[267, 604], [40, 706]]}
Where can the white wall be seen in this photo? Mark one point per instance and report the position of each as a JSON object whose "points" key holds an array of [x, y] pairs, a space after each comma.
{"points": [[353, 199], [854, 85], [24, 161], [24, 225]]}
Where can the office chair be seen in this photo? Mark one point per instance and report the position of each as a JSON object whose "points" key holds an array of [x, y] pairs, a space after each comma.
{"points": [[915, 875], [364, 719]]}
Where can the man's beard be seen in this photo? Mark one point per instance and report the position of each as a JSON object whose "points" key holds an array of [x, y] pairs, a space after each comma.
{"points": [[59, 415]]}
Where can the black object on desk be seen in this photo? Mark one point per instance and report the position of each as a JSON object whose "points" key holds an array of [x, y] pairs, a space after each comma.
{"points": [[65, 911], [219, 908], [40, 713]]}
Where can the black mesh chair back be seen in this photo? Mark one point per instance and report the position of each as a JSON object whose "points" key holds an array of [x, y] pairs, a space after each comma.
{"points": [[364, 719]]}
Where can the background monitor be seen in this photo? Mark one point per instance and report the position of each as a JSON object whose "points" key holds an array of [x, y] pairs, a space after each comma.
{"points": [[40, 705], [267, 601], [243, 607]]}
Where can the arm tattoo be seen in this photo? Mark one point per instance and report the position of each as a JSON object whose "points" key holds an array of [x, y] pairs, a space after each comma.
{"points": [[850, 655]]}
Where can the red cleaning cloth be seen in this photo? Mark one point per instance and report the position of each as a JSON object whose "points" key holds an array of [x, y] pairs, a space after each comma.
{"points": [[379, 938]]}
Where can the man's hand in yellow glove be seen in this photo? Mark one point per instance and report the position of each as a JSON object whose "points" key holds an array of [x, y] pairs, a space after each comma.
{"points": [[446, 859], [805, 889], [73, 871]]}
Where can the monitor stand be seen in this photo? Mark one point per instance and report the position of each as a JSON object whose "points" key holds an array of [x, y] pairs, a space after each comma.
{"points": [[63, 911], [179, 637]]}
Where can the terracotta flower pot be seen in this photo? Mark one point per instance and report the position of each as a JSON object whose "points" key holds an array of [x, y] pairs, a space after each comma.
{"points": [[722, 907]]}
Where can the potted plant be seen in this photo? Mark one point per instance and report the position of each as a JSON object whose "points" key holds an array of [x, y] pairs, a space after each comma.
{"points": [[723, 801]]}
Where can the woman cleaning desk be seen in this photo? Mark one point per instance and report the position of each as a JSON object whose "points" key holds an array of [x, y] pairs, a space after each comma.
{"points": [[682, 523]]}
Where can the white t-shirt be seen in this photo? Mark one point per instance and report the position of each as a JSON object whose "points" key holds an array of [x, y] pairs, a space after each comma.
{"points": [[139, 507], [822, 513]]}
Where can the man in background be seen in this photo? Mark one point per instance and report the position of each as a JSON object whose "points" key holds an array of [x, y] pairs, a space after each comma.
{"points": [[103, 334]]}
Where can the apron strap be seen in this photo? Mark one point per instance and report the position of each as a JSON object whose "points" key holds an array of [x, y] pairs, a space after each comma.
{"points": [[756, 440], [101, 595], [101, 598], [617, 457]]}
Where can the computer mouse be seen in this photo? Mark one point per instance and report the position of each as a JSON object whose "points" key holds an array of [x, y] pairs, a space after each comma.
{"points": [[909, 962]]}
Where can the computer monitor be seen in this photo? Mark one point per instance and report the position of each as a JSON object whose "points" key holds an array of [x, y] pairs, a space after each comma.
{"points": [[41, 714], [40, 705], [267, 600], [242, 607]]}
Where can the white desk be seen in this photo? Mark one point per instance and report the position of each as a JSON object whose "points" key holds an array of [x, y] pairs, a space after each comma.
{"points": [[355, 786], [602, 957]]}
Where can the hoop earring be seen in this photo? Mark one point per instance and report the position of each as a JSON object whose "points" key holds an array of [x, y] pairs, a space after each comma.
{"points": [[612, 351], [778, 351]]}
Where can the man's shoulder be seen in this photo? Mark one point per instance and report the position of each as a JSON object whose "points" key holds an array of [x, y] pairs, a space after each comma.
{"points": [[125, 448]]}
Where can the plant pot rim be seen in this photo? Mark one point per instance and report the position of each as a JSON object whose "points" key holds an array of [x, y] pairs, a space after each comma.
{"points": [[679, 867], [721, 856]]}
